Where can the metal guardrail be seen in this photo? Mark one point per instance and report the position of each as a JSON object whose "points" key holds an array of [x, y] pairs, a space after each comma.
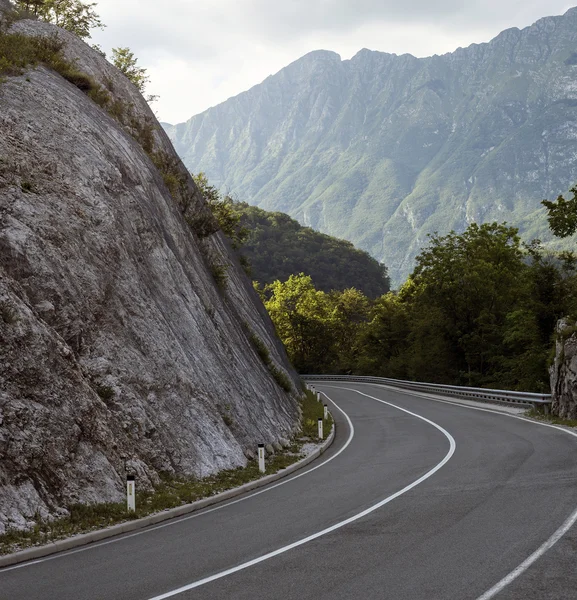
{"points": [[481, 394]]}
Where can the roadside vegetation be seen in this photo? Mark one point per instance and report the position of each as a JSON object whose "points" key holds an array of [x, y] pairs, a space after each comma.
{"points": [[552, 419], [480, 309], [170, 493], [313, 410]]}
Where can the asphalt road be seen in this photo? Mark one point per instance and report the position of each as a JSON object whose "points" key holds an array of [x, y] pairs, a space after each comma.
{"points": [[440, 504]]}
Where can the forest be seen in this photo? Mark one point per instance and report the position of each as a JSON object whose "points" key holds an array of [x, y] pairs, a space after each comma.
{"points": [[479, 309], [276, 246]]}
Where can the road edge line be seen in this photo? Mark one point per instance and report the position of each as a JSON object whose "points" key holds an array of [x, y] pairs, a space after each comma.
{"points": [[165, 515], [551, 540], [356, 517]]}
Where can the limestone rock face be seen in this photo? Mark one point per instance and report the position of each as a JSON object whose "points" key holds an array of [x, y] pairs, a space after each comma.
{"points": [[117, 348], [564, 372]]}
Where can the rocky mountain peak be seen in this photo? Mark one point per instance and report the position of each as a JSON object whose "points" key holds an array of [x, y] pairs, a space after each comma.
{"points": [[383, 149]]}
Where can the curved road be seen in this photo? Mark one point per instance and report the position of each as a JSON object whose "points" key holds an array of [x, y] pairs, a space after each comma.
{"points": [[416, 500]]}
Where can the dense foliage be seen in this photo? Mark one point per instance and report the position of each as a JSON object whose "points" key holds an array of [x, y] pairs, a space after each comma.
{"points": [[74, 15], [479, 309], [562, 215], [278, 246]]}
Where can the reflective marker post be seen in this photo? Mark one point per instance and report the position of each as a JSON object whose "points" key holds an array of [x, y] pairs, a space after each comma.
{"points": [[320, 428], [261, 466], [318, 396], [130, 493], [326, 411]]}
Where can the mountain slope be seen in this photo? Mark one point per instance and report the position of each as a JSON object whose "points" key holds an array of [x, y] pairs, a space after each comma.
{"points": [[117, 347], [383, 149], [278, 247]]}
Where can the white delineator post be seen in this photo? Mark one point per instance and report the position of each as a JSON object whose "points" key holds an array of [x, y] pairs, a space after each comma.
{"points": [[261, 466], [318, 396], [320, 428], [326, 411], [130, 493]]}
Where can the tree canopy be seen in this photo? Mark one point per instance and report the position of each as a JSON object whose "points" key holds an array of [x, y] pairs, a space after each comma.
{"points": [[479, 309], [73, 15], [124, 60], [562, 215], [277, 246]]}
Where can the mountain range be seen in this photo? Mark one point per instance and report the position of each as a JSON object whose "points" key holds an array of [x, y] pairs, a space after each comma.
{"points": [[383, 149]]}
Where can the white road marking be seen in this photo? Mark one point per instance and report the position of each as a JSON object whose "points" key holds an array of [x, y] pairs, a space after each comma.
{"points": [[515, 573], [314, 536], [194, 515], [531, 559]]}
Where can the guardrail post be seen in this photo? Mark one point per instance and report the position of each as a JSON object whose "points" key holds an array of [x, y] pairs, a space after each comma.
{"points": [[130, 493], [261, 465], [320, 428]]}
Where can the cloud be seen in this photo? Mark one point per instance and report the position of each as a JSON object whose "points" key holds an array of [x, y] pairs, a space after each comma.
{"points": [[200, 53]]}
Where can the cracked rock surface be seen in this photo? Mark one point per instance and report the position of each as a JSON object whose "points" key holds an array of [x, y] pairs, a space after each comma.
{"points": [[564, 371], [117, 348]]}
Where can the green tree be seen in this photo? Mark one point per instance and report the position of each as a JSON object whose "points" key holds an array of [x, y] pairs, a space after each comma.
{"points": [[302, 317], [384, 340], [562, 215], [465, 286], [348, 320], [73, 15], [223, 208], [124, 60]]}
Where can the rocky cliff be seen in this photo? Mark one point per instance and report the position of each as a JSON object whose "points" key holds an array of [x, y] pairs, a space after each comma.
{"points": [[383, 149], [125, 326], [564, 371]]}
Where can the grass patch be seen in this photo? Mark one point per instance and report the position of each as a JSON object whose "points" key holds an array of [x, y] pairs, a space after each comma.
{"points": [[172, 492], [261, 349], [535, 414], [313, 410], [281, 378], [259, 346], [19, 52], [219, 272]]}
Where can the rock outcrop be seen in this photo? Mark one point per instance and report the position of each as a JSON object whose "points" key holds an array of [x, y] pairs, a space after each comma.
{"points": [[564, 371], [125, 337], [383, 149]]}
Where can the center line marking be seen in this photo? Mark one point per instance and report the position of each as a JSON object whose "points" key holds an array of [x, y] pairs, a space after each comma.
{"points": [[314, 536]]}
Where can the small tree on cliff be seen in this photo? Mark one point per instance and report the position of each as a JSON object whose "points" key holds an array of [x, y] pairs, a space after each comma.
{"points": [[124, 60], [73, 15], [223, 209]]}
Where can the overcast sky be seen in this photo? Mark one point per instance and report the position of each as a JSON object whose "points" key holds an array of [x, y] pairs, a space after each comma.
{"points": [[199, 53]]}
